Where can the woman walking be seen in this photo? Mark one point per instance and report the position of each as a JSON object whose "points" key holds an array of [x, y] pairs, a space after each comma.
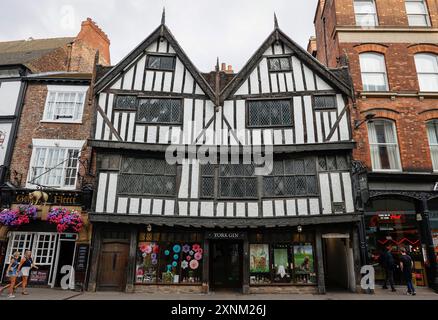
{"points": [[25, 266], [12, 273]]}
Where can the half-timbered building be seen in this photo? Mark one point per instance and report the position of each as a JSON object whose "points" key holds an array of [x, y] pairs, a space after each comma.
{"points": [[195, 226]]}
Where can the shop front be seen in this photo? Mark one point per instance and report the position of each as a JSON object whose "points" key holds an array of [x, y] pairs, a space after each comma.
{"points": [[394, 223], [195, 260], [56, 246]]}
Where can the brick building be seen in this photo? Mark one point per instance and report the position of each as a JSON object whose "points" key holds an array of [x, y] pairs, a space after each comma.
{"points": [[391, 50], [50, 156]]}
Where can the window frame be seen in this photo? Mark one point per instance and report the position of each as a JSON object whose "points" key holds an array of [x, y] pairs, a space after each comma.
{"points": [[181, 111], [374, 14], [295, 174], [280, 56], [384, 72], [433, 55], [434, 122], [143, 175], [291, 108], [159, 55], [373, 165], [324, 95], [67, 146], [425, 14], [78, 108]]}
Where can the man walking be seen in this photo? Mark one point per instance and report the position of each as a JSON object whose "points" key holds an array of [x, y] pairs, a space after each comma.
{"points": [[387, 262], [406, 265]]}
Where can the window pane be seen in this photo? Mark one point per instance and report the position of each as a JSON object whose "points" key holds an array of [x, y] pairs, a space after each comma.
{"points": [[428, 82], [417, 20], [126, 102], [374, 82], [415, 7], [154, 62], [366, 20], [426, 63], [364, 7], [279, 64], [161, 62], [372, 62]]}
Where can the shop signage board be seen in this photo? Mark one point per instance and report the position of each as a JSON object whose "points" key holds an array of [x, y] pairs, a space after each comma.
{"points": [[82, 257], [63, 198], [39, 277], [225, 235]]}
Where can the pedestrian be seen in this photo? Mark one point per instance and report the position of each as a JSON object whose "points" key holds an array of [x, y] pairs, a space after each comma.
{"points": [[12, 273], [406, 265], [387, 262], [25, 266]]}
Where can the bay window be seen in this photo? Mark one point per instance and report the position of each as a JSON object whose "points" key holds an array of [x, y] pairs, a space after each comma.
{"points": [[385, 155], [417, 13], [65, 103], [373, 72], [365, 12], [427, 71], [432, 132], [55, 163]]}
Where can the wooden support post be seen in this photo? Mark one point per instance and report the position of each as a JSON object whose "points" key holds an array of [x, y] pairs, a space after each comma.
{"points": [[130, 272], [95, 254], [206, 267], [245, 265], [320, 262]]}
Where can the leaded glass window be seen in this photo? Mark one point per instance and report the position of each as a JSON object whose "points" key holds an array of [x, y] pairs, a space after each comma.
{"points": [[269, 113], [159, 111], [279, 64], [237, 181], [324, 102], [126, 102], [158, 62], [333, 163], [207, 180], [147, 176], [291, 177]]}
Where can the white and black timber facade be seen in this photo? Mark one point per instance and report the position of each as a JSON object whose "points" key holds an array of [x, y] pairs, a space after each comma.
{"points": [[192, 227]]}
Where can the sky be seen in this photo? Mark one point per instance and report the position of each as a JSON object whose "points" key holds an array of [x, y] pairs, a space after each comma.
{"points": [[206, 29]]}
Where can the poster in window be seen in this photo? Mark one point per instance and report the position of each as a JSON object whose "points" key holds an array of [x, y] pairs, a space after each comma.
{"points": [[259, 258], [303, 258], [435, 240]]}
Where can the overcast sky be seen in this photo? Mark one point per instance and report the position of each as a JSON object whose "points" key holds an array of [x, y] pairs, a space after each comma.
{"points": [[230, 29]]}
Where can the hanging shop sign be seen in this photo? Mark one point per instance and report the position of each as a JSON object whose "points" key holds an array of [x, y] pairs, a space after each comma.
{"points": [[220, 235]]}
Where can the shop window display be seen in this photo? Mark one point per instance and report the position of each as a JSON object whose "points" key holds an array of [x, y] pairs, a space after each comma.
{"points": [[397, 229], [169, 260], [281, 263]]}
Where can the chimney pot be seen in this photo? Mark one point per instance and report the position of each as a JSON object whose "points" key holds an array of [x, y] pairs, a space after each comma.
{"points": [[223, 66]]}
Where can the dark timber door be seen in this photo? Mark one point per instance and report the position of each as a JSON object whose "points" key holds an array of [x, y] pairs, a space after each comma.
{"points": [[226, 264], [113, 266]]}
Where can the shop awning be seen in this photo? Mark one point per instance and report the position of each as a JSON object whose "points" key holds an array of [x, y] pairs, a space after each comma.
{"points": [[199, 222]]}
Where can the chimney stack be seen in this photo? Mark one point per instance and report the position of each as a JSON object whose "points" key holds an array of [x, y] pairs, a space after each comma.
{"points": [[96, 38]]}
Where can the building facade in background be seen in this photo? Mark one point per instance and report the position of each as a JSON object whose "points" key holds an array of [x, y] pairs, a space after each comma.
{"points": [[195, 227], [49, 160], [391, 50]]}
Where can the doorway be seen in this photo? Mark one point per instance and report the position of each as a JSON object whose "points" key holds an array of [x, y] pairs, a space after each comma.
{"points": [[226, 265], [338, 263], [113, 263], [66, 256]]}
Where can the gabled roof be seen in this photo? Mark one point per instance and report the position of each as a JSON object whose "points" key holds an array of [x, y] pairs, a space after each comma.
{"points": [[22, 52], [161, 31], [301, 54]]}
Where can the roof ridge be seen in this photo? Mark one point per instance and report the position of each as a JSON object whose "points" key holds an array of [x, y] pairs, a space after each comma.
{"points": [[32, 39]]}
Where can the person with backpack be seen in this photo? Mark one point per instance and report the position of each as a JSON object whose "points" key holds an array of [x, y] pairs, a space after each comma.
{"points": [[406, 266], [387, 262]]}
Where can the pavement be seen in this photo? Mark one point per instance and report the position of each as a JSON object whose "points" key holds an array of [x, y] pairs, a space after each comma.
{"points": [[58, 294]]}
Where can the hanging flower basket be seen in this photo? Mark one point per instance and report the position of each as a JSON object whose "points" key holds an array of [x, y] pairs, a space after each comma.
{"points": [[65, 219], [18, 217]]}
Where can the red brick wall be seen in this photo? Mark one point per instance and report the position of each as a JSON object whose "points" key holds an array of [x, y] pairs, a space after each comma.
{"points": [[31, 127], [409, 113]]}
